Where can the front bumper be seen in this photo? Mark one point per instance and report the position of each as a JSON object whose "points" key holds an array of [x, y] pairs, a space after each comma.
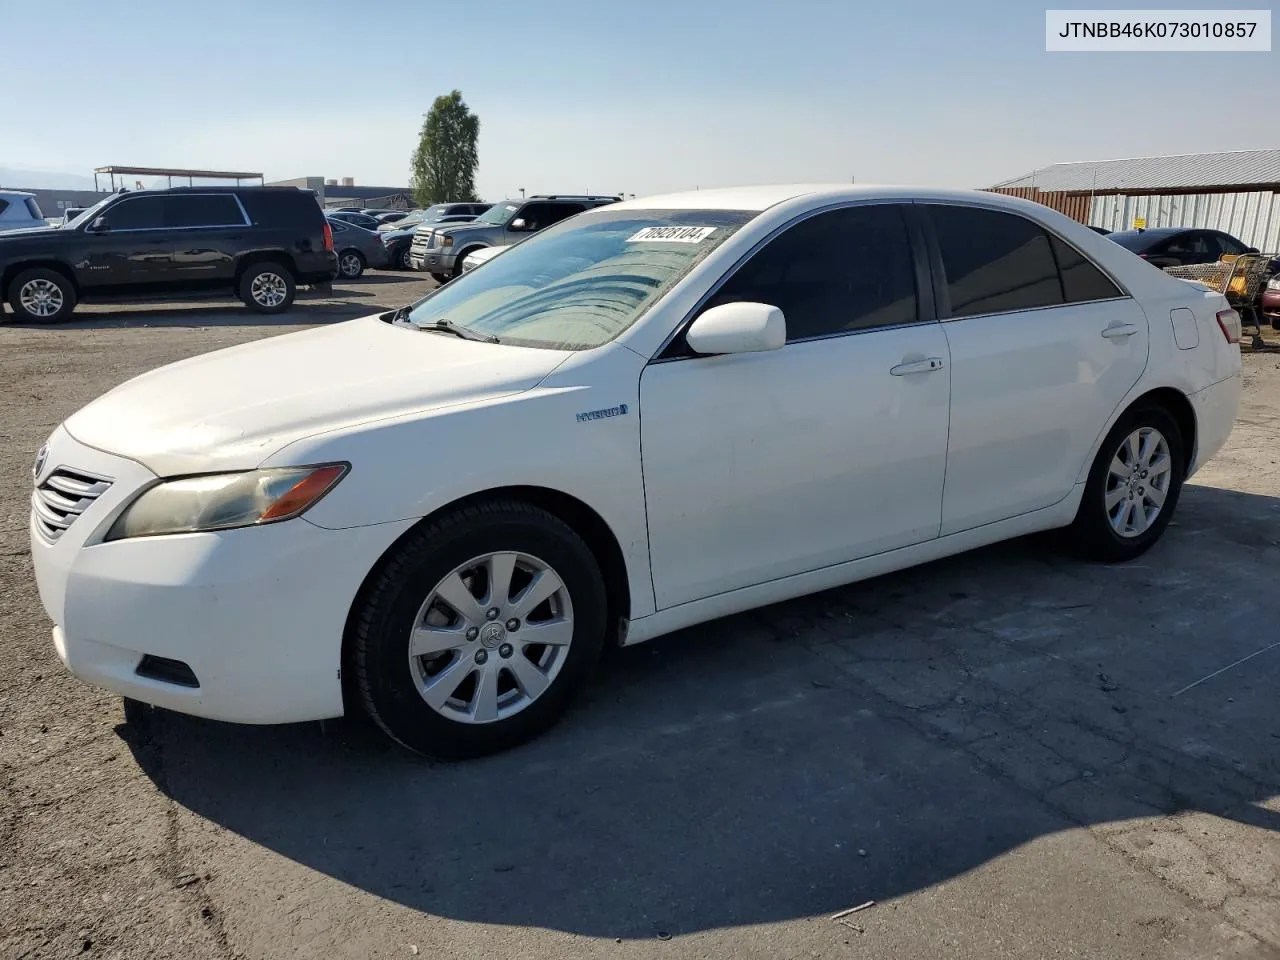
{"points": [[258, 614], [433, 259]]}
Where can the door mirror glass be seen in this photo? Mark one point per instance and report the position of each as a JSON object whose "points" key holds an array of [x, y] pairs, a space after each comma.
{"points": [[99, 225], [519, 225], [740, 327]]}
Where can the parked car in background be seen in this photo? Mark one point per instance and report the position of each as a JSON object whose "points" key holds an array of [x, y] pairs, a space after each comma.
{"points": [[1270, 302], [440, 250], [701, 410], [377, 212], [399, 236], [394, 217], [19, 211], [482, 255], [1178, 246], [355, 217], [260, 242], [356, 249]]}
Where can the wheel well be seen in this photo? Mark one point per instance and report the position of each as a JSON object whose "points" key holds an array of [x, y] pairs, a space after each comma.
{"points": [[584, 521], [16, 268], [265, 256], [355, 250], [1178, 407], [465, 251]]}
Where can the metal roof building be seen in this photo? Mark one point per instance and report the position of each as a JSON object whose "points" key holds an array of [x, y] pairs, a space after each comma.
{"points": [[1237, 191]]}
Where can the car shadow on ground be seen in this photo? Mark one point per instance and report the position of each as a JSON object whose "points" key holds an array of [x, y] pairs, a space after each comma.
{"points": [[855, 745]]}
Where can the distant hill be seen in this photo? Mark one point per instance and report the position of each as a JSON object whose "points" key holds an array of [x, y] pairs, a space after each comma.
{"points": [[43, 179]]}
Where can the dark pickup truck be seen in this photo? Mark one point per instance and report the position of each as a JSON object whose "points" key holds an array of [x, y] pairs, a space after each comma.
{"points": [[259, 243]]}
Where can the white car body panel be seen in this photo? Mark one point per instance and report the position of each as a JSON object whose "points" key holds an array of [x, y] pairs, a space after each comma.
{"points": [[727, 482]]}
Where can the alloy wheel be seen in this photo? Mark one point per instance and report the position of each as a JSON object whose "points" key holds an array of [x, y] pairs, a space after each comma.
{"points": [[350, 265], [491, 637], [1138, 481], [269, 289], [41, 298]]}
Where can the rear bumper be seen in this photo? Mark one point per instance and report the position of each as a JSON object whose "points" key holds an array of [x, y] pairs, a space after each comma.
{"points": [[1215, 409]]}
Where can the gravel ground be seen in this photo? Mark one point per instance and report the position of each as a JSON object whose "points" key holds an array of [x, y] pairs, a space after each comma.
{"points": [[995, 748]]}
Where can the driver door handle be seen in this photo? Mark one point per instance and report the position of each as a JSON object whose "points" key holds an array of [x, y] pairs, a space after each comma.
{"points": [[909, 367], [1119, 331]]}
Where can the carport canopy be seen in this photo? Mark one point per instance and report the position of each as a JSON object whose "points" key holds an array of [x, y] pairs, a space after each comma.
{"points": [[171, 172]]}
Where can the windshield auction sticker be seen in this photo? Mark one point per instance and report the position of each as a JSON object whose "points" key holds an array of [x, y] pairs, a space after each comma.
{"points": [[1119, 31], [671, 235]]}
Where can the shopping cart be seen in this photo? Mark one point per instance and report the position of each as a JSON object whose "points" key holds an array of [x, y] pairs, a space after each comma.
{"points": [[1238, 277]]}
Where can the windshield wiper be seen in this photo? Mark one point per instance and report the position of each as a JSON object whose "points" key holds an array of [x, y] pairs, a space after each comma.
{"points": [[447, 326]]}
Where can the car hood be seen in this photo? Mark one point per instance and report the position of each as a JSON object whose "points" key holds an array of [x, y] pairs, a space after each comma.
{"points": [[42, 230], [233, 408], [453, 229]]}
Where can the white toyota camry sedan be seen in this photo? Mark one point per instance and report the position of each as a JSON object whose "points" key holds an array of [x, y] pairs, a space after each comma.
{"points": [[649, 415]]}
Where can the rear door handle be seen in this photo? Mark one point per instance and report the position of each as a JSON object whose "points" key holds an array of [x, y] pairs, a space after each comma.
{"points": [[909, 367], [1120, 330]]}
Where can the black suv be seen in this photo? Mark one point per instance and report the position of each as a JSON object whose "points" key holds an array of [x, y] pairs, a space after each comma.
{"points": [[258, 242]]}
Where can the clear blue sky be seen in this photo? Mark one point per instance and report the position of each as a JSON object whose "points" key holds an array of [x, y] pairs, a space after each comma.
{"points": [[603, 95]]}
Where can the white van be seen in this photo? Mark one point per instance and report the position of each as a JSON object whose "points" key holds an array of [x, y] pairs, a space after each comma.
{"points": [[19, 211]]}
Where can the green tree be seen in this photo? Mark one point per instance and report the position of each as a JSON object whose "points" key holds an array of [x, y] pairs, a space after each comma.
{"points": [[444, 164]]}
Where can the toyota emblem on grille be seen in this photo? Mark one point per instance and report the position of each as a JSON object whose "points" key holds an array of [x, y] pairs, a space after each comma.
{"points": [[41, 456]]}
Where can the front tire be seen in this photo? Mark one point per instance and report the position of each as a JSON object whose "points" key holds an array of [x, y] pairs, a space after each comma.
{"points": [[440, 278], [350, 264], [268, 287], [402, 258], [41, 295], [1133, 487], [478, 630]]}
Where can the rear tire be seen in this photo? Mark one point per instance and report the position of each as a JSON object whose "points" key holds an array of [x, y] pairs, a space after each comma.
{"points": [[434, 702], [42, 295], [350, 264], [268, 287], [1133, 487], [440, 278]]}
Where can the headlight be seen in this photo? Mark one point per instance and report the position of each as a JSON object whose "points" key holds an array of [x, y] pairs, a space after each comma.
{"points": [[447, 242], [220, 501], [1274, 283]]}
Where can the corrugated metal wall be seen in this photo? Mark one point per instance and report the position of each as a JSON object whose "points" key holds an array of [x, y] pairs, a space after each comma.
{"points": [[1252, 217], [1074, 205]]}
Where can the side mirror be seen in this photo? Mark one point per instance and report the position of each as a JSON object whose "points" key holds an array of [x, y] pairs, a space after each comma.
{"points": [[520, 224], [738, 328], [99, 225]]}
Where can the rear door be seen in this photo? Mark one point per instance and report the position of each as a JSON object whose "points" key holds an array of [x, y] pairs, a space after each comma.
{"points": [[1043, 348], [133, 251], [209, 229]]}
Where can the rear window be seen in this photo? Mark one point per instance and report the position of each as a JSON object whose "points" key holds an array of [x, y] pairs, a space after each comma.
{"points": [[282, 207], [4, 205], [1132, 240], [33, 208]]}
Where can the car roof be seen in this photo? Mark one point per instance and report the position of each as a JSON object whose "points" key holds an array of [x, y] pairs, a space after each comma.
{"points": [[15, 193], [762, 197]]}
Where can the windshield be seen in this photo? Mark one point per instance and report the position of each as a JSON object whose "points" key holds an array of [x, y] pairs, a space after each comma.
{"points": [[498, 214], [579, 284], [89, 215]]}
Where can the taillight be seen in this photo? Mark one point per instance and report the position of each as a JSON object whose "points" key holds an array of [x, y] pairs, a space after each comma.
{"points": [[1229, 322], [328, 237]]}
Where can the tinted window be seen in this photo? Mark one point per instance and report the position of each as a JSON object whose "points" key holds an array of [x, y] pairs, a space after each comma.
{"points": [[1134, 240], [845, 270], [4, 204], [337, 226], [994, 261], [281, 206], [1188, 243], [538, 215], [1081, 280], [1227, 243], [202, 210], [138, 213]]}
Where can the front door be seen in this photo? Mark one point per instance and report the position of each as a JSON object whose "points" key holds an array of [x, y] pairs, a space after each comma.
{"points": [[760, 466], [1043, 349], [133, 251]]}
